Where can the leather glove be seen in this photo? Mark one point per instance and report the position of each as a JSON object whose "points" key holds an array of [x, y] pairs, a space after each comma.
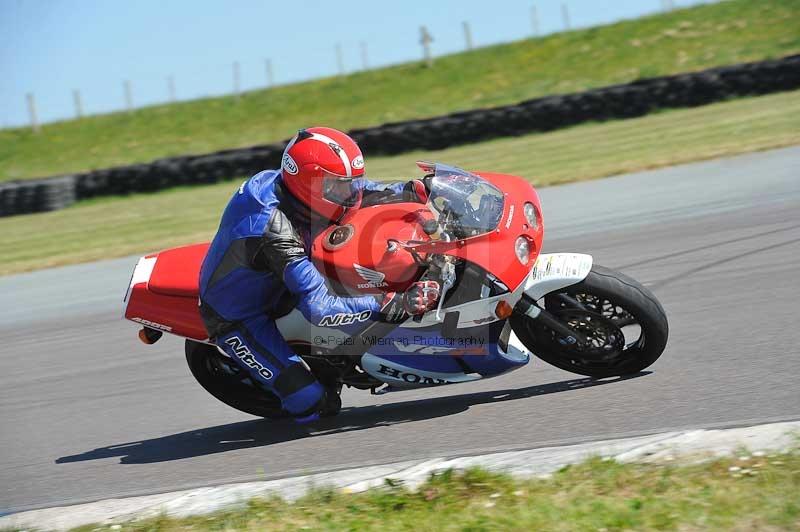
{"points": [[416, 190], [420, 298]]}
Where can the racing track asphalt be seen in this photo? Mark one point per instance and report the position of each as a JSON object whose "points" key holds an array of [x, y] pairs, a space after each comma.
{"points": [[88, 412]]}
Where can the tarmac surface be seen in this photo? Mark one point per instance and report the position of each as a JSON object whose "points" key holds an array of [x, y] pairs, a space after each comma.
{"points": [[88, 412]]}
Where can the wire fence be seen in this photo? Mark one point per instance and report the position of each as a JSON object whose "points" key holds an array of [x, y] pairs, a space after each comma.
{"points": [[233, 71]]}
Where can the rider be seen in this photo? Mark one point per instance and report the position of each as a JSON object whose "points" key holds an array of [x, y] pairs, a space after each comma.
{"points": [[261, 251]]}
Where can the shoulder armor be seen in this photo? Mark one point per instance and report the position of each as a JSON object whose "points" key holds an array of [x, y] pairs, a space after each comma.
{"points": [[280, 244]]}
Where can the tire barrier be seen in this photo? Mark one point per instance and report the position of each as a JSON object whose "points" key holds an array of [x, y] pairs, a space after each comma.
{"points": [[37, 195], [627, 100]]}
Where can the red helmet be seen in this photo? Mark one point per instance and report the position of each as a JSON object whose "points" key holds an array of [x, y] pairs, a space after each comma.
{"points": [[319, 167]]}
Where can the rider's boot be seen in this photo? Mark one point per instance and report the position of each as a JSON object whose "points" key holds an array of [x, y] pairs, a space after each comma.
{"points": [[329, 405]]}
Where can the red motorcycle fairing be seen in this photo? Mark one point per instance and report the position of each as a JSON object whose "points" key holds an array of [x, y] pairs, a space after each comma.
{"points": [[362, 257], [170, 277], [495, 251], [164, 290], [357, 254]]}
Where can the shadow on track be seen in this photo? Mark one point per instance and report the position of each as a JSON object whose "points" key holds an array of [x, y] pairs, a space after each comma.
{"points": [[260, 432]]}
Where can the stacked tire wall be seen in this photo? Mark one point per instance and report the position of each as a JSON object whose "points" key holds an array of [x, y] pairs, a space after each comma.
{"points": [[628, 100]]}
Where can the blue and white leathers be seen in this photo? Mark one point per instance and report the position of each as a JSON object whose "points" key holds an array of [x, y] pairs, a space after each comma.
{"points": [[261, 251]]}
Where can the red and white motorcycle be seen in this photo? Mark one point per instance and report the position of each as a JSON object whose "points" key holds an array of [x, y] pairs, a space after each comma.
{"points": [[479, 236]]}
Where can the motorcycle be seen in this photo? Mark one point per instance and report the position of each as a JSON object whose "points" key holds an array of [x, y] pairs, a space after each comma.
{"points": [[479, 235]]}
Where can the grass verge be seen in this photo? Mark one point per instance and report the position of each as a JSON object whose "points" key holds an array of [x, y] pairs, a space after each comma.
{"points": [[756, 493], [683, 40], [119, 226]]}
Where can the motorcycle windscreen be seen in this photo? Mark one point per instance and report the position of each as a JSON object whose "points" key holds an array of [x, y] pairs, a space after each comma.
{"points": [[464, 204]]}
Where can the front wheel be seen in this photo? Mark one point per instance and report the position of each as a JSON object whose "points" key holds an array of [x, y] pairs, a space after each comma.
{"points": [[623, 326]]}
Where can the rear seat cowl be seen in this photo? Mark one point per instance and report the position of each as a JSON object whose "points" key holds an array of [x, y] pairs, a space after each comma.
{"points": [[177, 271]]}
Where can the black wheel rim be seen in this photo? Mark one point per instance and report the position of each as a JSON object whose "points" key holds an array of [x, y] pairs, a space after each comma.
{"points": [[605, 307], [601, 340], [616, 339]]}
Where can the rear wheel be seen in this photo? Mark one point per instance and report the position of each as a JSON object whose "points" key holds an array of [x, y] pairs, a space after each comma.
{"points": [[623, 326], [223, 379]]}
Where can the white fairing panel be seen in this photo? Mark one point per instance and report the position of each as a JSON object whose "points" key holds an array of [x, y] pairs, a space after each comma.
{"points": [[294, 327], [141, 274], [401, 376], [471, 314], [554, 271], [551, 272]]}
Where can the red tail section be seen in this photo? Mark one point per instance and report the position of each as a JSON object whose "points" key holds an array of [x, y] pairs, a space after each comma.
{"points": [[163, 293]]}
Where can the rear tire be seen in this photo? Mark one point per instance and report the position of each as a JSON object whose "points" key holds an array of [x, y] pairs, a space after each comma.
{"points": [[223, 379], [610, 302]]}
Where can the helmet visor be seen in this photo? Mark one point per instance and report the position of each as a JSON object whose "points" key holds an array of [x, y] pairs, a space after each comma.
{"points": [[341, 190]]}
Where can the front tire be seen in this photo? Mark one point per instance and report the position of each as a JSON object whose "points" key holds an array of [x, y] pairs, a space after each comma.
{"points": [[223, 379], [626, 326]]}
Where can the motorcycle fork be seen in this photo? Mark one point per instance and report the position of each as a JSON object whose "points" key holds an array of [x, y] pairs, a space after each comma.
{"points": [[530, 308]]}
